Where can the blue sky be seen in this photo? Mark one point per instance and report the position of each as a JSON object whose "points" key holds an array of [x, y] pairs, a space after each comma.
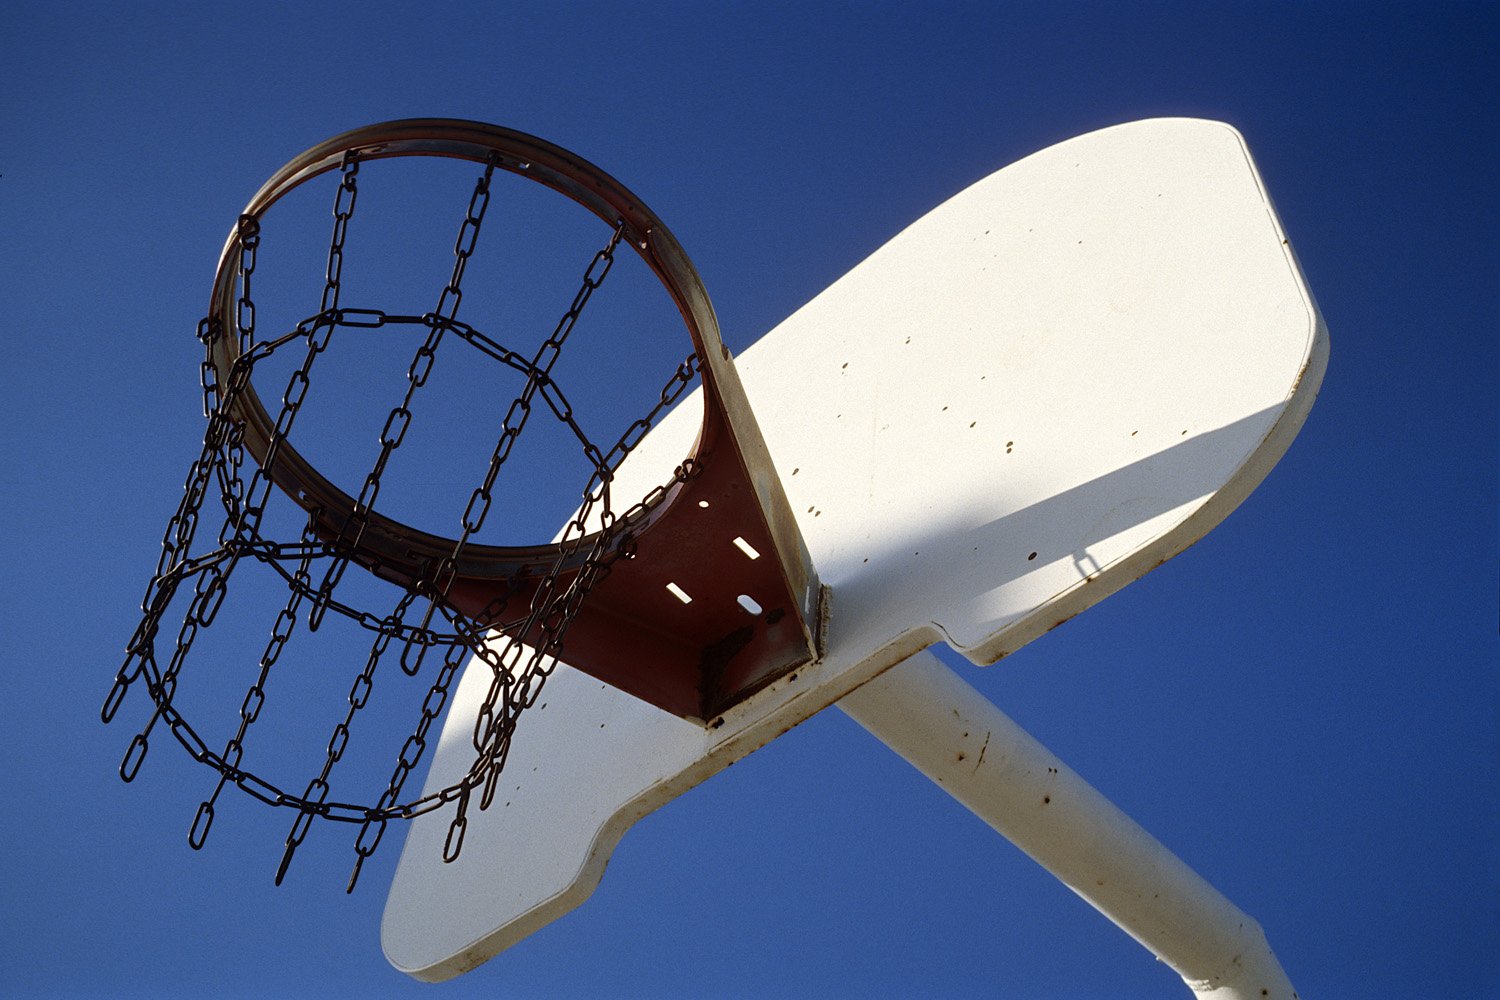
{"points": [[1303, 705]]}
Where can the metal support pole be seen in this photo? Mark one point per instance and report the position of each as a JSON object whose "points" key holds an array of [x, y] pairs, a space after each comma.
{"points": [[950, 732]]}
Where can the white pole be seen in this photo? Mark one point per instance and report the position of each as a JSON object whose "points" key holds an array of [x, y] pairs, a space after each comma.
{"points": [[950, 732]]}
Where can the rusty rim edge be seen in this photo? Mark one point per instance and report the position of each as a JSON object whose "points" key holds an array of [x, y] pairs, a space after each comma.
{"points": [[526, 156]]}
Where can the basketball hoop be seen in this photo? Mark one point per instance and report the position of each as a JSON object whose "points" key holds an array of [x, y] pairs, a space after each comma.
{"points": [[609, 591]]}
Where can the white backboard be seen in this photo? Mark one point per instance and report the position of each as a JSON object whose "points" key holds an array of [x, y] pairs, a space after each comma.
{"points": [[1046, 387]]}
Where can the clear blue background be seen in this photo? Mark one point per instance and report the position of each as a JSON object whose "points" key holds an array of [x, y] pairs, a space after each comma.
{"points": [[1303, 705]]}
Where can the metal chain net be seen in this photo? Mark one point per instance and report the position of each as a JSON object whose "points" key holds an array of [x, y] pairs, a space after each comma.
{"points": [[423, 625]]}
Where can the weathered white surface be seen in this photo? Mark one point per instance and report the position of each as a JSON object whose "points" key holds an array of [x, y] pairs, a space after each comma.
{"points": [[1092, 355], [947, 730]]}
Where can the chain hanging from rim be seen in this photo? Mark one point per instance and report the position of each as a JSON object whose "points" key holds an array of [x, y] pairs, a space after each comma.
{"points": [[426, 617]]}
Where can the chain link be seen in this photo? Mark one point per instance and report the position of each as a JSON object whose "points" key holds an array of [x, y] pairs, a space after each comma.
{"points": [[423, 619]]}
